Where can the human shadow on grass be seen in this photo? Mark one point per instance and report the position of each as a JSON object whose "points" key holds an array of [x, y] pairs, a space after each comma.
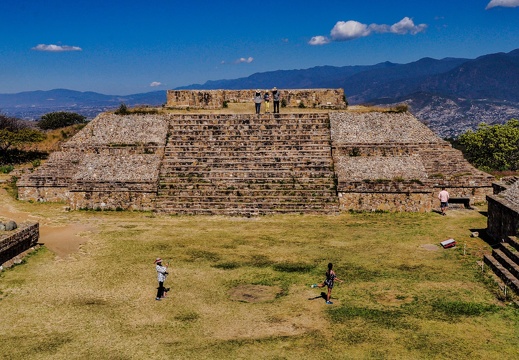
{"points": [[322, 296]]}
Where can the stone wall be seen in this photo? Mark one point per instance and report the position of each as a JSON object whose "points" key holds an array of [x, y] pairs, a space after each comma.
{"points": [[503, 211], [214, 99], [387, 201], [13, 243], [392, 161], [113, 163]]}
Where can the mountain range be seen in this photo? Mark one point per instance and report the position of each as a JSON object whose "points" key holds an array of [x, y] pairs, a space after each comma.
{"points": [[451, 95]]}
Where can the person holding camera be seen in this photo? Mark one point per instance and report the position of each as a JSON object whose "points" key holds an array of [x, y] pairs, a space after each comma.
{"points": [[162, 273]]}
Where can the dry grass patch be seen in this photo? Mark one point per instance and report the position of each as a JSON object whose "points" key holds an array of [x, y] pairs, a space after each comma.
{"points": [[254, 293], [399, 300]]}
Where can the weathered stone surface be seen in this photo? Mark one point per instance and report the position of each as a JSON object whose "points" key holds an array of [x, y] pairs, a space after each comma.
{"points": [[10, 225], [391, 161], [214, 99], [503, 210], [118, 131], [14, 242], [246, 164]]}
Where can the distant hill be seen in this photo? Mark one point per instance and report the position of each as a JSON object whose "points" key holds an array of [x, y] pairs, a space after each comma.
{"points": [[31, 105], [451, 94]]}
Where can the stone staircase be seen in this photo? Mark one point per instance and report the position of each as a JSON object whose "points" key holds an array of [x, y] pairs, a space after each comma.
{"points": [[248, 165], [504, 261]]}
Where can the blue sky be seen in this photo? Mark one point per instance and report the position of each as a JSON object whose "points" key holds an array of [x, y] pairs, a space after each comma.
{"points": [[125, 47]]}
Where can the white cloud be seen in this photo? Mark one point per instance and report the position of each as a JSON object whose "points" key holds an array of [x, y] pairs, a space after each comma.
{"points": [[407, 26], [350, 30], [56, 48], [319, 40], [155, 83], [503, 3], [245, 60]]}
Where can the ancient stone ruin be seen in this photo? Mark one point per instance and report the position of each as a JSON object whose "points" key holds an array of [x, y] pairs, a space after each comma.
{"points": [[16, 239], [215, 99], [503, 227], [245, 164]]}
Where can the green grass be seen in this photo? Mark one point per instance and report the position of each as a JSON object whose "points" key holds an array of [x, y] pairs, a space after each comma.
{"points": [[398, 301]]}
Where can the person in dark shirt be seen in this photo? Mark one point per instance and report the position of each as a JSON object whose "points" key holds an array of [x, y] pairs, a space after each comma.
{"points": [[329, 281]]}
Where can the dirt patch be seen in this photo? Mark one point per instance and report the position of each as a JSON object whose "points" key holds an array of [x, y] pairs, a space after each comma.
{"points": [[254, 293], [392, 298], [61, 240], [430, 247], [64, 240]]}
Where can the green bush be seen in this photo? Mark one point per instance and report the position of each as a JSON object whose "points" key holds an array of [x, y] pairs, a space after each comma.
{"points": [[6, 169], [60, 119], [492, 147], [123, 109]]}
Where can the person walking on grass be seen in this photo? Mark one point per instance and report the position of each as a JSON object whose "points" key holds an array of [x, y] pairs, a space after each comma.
{"points": [[330, 279], [162, 273], [444, 200]]}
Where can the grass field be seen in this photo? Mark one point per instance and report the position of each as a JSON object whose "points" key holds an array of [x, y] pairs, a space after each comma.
{"points": [[240, 289]]}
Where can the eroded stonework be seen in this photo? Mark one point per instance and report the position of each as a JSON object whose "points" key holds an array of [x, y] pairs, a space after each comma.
{"points": [[215, 99], [247, 164]]}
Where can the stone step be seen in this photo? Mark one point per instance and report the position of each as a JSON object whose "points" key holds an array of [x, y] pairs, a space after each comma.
{"points": [[247, 144], [226, 185], [231, 138], [248, 127], [502, 272], [246, 118], [235, 207], [243, 212], [506, 262], [243, 195], [239, 163], [510, 252], [257, 153], [244, 167], [190, 197], [513, 241], [275, 172], [244, 200], [251, 178]]}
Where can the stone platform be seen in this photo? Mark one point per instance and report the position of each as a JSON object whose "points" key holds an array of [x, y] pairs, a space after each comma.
{"points": [[245, 164]]}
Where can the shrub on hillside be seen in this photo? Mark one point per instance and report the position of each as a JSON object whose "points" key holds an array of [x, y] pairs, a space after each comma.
{"points": [[14, 132], [60, 119], [492, 147]]}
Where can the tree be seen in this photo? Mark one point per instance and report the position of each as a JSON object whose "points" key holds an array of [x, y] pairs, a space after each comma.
{"points": [[13, 132], [493, 147], [60, 119]]}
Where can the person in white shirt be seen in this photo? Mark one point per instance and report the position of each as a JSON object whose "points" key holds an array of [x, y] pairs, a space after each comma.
{"points": [[162, 273], [444, 200]]}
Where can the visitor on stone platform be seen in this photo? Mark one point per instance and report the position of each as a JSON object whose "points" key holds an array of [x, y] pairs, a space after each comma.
{"points": [[275, 98], [330, 279], [257, 101], [162, 273], [266, 99], [444, 200]]}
